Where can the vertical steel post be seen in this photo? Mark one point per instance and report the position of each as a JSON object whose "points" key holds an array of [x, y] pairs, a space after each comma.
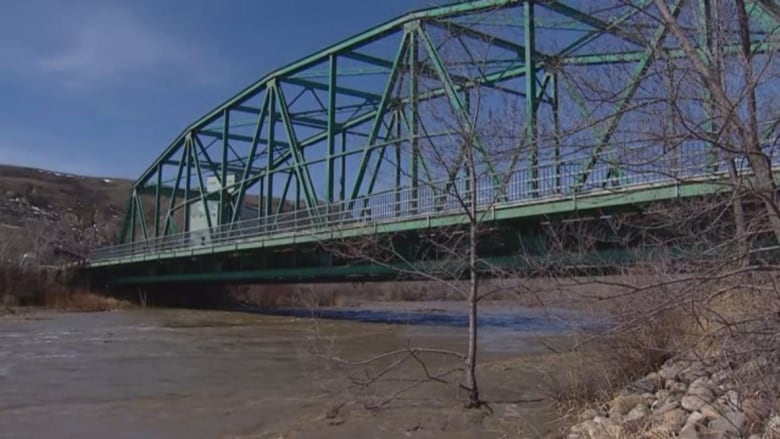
{"points": [[260, 196], [414, 117], [169, 225], [157, 201], [472, 165], [343, 170], [141, 217], [398, 162], [283, 197], [132, 215], [269, 168], [223, 175], [188, 177], [556, 131], [122, 237], [530, 94], [203, 188], [710, 127], [331, 126], [297, 194]]}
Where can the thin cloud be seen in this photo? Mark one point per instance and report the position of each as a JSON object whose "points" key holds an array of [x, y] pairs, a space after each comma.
{"points": [[113, 45]]}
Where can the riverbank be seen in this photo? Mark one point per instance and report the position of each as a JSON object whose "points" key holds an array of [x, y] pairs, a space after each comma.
{"points": [[721, 381], [67, 300], [693, 397]]}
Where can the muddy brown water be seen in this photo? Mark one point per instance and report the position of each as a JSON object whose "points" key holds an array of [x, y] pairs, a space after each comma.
{"points": [[205, 374]]}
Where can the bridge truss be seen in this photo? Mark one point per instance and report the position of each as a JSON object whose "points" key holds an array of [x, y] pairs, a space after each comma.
{"points": [[345, 135]]}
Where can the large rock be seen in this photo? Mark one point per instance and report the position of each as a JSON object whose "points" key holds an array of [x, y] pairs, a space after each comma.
{"points": [[624, 404], [689, 431], [695, 418], [701, 387], [591, 429], [692, 373], [713, 411], [671, 421], [729, 425], [674, 387], [637, 414], [699, 394], [671, 370], [587, 414], [773, 426], [662, 395], [732, 399], [693, 403], [666, 406], [649, 384]]}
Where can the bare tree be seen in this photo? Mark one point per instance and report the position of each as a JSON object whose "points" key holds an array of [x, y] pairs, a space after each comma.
{"points": [[471, 145], [701, 107]]}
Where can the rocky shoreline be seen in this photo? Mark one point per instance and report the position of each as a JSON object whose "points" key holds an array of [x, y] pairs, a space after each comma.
{"points": [[691, 398]]}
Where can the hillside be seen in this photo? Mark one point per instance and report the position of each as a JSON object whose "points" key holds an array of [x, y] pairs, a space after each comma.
{"points": [[38, 206]]}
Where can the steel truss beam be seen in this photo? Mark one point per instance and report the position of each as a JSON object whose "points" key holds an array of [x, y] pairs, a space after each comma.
{"points": [[339, 128]]}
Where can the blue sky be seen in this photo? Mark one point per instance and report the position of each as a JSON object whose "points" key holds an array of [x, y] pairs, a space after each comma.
{"points": [[101, 87]]}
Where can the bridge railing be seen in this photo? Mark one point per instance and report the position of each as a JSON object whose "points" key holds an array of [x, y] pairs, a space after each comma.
{"points": [[631, 168]]}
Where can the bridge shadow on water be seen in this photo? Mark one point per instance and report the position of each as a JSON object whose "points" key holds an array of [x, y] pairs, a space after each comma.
{"points": [[517, 319]]}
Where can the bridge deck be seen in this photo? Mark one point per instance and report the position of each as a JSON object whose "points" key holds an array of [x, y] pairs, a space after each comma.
{"points": [[395, 212]]}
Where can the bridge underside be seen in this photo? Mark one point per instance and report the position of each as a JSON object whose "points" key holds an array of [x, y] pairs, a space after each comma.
{"points": [[515, 238], [554, 109]]}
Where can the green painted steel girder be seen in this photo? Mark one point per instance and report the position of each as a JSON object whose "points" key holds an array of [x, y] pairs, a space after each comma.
{"points": [[592, 21], [636, 56], [377, 120], [493, 40], [588, 202], [340, 90], [287, 154], [357, 56], [627, 95], [348, 45], [457, 105], [301, 171], [771, 8]]}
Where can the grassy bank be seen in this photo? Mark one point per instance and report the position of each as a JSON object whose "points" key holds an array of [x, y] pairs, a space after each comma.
{"points": [[39, 287], [67, 300], [618, 384]]}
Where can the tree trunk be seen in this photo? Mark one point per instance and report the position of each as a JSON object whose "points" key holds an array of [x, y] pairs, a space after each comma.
{"points": [[760, 164], [720, 116], [471, 356], [759, 161], [740, 229]]}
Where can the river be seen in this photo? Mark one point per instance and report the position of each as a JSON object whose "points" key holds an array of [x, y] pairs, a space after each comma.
{"points": [[205, 374]]}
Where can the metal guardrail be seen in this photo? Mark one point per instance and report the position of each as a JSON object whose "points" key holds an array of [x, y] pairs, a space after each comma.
{"points": [[639, 166]]}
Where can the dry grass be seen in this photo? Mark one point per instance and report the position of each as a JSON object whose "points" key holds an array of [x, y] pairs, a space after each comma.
{"points": [[43, 288], [732, 325], [601, 365], [82, 300]]}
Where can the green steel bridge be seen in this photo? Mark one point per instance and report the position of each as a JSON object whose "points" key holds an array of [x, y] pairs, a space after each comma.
{"points": [[353, 140]]}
